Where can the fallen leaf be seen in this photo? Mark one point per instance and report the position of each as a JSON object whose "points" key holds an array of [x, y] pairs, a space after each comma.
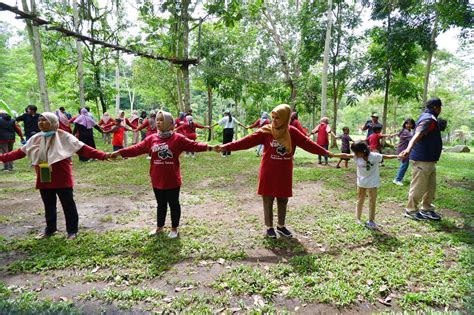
{"points": [[168, 299], [383, 288], [297, 308], [95, 269], [221, 261], [370, 282], [63, 298], [219, 310], [382, 301]]}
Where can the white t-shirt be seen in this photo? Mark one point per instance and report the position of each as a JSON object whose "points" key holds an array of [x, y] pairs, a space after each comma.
{"points": [[368, 172], [225, 122]]}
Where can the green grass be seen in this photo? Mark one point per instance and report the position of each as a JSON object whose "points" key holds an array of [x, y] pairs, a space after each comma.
{"points": [[424, 266]]}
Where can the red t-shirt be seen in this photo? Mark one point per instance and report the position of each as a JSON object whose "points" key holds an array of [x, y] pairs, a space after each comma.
{"points": [[117, 139], [296, 123], [323, 138], [189, 130], [276, 168], [61, 174], [149, 130], [106, 126], [256, 124], [374, 141], [164, 164]]}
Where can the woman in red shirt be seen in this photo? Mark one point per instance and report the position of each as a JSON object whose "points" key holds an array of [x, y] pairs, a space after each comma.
{"points": [[133, 123], [296, 123], [50, 152], [323, 130], [64, 123], [106, 122], [150, 124], [188, 129], [276, 169], [165, 148], [259, 123]]}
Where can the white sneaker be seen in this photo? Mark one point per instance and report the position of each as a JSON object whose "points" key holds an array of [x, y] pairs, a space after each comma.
{"points": [[173, 234], [396, 182]]}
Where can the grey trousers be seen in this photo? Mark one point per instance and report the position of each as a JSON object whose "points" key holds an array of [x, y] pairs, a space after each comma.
{"points": [[6, 147]]}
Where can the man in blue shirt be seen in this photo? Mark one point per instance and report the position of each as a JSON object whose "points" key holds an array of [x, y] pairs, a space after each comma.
{"points": [[424, 149], [370, 125]]}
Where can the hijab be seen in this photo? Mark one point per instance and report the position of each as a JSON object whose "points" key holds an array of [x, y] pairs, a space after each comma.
{"points": [[168, 127], [294, 116], [263, 118], [122, 117], [106, 117], [134, 115], [85, 120], [152, 120], [189, 120], [182, 116], [63, 118], [282, 133], [51, 146], [227, 113]]}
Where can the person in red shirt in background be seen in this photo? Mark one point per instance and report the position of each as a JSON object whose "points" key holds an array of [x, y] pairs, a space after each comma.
{"points": [[8, 129], [64, 123], [296, 123], [50, 152], [133, 123], [374, 140], [118, 130], [276, 169], [259, 123], [165, 148], [188, 129], [181, 120], [106, 122], [150, 124], [323, 130]]}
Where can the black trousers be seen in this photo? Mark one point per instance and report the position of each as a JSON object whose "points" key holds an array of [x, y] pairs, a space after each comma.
{"points": [[69, 207], [165, 197], [228, 137]]}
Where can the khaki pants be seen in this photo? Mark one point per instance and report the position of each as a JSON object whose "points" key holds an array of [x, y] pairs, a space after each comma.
{"points": [[135, 138], [372, 192], [268, 210], [422, 187]]}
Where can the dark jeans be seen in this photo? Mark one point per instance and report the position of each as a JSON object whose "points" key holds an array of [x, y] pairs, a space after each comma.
{"points": [[116, 147], [165, 197], [227, 138], [325, 157], [6, 147], [69, 207]]}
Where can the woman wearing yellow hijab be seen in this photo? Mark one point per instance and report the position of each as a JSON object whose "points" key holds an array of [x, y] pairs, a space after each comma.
{"points": [[276, 169]]}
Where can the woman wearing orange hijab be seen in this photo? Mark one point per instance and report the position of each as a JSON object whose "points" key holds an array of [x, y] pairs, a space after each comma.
{"points": [[276, 169]]}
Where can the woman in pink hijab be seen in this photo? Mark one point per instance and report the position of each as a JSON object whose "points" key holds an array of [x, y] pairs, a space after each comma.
{"points": [[83, 128]]}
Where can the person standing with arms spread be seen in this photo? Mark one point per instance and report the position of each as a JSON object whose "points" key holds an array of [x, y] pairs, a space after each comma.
{"points": [[30, 121], [424, 149], [8, 128], [370, 125], [228, 122]]}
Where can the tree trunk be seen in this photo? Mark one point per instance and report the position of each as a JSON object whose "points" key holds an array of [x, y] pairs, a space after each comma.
{"points": [[429, 60], [35, 42], [179, 88], [324, 80], [209, 111], [185, 67], [117, 83], [80, 62], [385, 100], [99, 88]]}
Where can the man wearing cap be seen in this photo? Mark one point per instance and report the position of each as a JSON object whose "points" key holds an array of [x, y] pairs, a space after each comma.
{"points": [[424, 149], [370, 125]]}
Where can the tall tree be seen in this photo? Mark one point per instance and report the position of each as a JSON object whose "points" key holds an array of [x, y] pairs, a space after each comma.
{"points": [[35, 41], [327, 43], [80, 59]]}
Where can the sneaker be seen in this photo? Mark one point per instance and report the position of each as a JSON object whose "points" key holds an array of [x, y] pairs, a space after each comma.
{"points": [[430, 215], [173, 234], [398, 183], [283, 231], [71, 236], [359, 222], [371, 225], [155, 232], [271, 233], [414, 215], [43, 235]]}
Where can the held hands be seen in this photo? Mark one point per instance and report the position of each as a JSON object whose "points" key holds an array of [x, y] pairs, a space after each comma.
{"points": [[404, 154]]}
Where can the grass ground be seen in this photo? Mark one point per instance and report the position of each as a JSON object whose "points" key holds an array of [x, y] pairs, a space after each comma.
{"points": [[222, 263]]}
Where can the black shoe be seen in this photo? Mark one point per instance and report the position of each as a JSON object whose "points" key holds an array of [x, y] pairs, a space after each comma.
{"points": [[415, 216], [283, 231], [271, 233], [430, 215]]}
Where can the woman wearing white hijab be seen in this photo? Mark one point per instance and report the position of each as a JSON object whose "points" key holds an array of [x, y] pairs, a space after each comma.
{"points": [[50, 151]]}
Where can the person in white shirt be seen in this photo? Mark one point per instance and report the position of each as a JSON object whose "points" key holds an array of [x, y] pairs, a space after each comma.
{"points": [[368, 177], [228, 122]]}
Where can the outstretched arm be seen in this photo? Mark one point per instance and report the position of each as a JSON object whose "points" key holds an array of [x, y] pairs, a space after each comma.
{"points": [[192, 146], [343, 155], [244, 143], [143, 125], [135, 150], [308, 145], [389, 156], [89, 152], [11, 156]]}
